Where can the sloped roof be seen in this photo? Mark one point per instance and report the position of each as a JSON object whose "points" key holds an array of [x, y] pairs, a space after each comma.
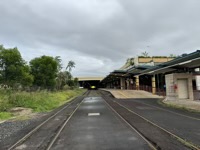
{"points": [[189, 61]]}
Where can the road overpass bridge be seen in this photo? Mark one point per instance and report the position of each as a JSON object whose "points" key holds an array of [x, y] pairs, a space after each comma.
{"points": [[87, 82]]}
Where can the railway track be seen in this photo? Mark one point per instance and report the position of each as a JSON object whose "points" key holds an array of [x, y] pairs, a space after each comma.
{"points": [[38, 138], [86, 93], [172, 112], [151, 145], [158, 136], [41, 135], [61, 128], [90, 93], [45, 135]]}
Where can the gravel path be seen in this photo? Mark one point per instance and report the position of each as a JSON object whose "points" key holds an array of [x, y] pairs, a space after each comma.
{"points": [[12, 130], [11, 127]]}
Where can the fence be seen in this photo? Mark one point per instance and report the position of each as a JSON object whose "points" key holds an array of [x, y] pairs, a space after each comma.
{"points": [[196, 92], [159, 91], [162, 92]]}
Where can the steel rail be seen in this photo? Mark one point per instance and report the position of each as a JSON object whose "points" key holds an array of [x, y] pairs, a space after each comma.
{"points": [[134, 129], [62, 127], [194, 118], [24, 138], [184, 142]]}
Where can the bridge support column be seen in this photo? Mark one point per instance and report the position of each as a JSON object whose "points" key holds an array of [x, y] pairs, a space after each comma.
{"points": [[122, 83], [153, 80]]}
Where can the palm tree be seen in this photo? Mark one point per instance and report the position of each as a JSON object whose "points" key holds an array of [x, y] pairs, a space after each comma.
{"points": [[58, 60], [61, 80], [145, 54], [70, 65], [172, 55]]}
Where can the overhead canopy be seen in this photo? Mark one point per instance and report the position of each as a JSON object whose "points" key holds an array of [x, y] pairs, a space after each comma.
{"points": [[118, 73], [184, 63], [114, 75], [187, 62], [135, 70]]}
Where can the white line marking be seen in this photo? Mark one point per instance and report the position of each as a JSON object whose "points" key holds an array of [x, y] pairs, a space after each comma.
{"points": [[93, 114]]}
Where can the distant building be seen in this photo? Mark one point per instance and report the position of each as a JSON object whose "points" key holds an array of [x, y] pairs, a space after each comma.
{"points": [[145, 61], [151, 61]]}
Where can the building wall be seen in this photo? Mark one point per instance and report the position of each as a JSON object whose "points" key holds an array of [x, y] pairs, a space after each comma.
{"points": [[151, 60], [172, 91]]}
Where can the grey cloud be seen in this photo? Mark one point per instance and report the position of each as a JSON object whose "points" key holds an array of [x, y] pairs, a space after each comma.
{"points": [[106, 32]]}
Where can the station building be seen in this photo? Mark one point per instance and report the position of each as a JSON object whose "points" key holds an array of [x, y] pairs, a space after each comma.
{"points": [[175, 78]]}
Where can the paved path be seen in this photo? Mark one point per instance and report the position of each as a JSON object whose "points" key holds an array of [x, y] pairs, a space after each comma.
{"points": [[104, 131], [129, 94], [193, 105], [121, 94]]}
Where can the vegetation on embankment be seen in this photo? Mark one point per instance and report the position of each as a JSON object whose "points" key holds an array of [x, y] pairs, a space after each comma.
{"points": [[186, 108], [42, 101]]}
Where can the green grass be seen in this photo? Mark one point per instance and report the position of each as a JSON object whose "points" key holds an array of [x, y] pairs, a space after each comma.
{"points": [[38, 101], [5, 115]]}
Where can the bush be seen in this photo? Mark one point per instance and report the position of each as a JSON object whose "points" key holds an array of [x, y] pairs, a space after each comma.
{"points": [[38, 101]]}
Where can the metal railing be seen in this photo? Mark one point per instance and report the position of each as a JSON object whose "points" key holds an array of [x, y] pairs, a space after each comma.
{"points": [[159, 91], [162, 91], [196, 93]]}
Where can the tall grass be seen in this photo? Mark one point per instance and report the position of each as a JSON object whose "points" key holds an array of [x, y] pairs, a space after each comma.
{"points": [[38, 101]]}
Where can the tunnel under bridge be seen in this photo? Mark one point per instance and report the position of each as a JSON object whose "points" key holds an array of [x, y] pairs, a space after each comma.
{"points": [[89, 82]]}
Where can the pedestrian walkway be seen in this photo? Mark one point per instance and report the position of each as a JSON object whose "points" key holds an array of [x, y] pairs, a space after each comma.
{"points": [[123, 94], [137, 94], [95, 126], [192, 105]]}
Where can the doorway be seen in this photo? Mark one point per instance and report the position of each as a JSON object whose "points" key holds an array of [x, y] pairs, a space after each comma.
{"points": [[183, 92]]}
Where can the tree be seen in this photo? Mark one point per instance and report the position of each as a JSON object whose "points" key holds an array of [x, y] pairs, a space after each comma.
{"points": [[27, 79], [59, 62], [44, 70], [64, 77], [172, 55], [13, 69], [61, 80], [145, 54], [70, 65], [76, 84]]}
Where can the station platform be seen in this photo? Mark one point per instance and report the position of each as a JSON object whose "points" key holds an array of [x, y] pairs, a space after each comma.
{"points": [[123, 94], [192, 105], [137, 94]]}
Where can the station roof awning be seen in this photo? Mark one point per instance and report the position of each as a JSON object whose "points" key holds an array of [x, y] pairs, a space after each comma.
{"points": [[114, 75], [185, 62], [118, 73], [137, 69]]}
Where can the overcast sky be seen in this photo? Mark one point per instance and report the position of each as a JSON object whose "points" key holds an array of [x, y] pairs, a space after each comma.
{"points": [[99, 35]]}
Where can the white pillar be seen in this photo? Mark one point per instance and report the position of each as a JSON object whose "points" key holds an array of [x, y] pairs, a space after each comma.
{"points": [[137, 82], [153, 80], [197, 79], [122, 83]]}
